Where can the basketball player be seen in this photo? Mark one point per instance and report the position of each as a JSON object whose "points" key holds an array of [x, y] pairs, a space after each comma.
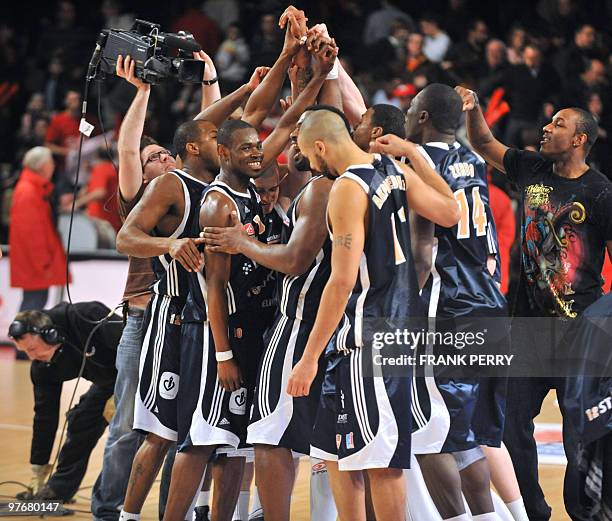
{"points": [[462, 284], [159, 227], [367, 212]]}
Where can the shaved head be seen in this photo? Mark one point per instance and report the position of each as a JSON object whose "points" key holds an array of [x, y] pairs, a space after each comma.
{"points": [[322, 136]]}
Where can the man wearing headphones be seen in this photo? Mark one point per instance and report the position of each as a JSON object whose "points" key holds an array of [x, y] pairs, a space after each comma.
{"points": [[56, 340]]}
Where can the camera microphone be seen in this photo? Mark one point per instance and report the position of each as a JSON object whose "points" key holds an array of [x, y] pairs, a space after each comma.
{"points": [[97, 54], [178, 42]]}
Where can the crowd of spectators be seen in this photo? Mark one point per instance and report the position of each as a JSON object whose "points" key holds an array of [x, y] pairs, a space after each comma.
{"points": [[524, 58]]}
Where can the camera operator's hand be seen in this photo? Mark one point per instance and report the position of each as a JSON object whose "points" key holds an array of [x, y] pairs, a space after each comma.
{"points": [[257, 77], [210, 72], [125, 69], [186, 252], [325, 53]]}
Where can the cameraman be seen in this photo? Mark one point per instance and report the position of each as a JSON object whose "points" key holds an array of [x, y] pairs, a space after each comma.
{"points": [[55, 341]]}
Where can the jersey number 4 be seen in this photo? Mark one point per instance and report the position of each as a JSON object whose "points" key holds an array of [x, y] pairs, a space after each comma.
{"points": [[479, 215]]}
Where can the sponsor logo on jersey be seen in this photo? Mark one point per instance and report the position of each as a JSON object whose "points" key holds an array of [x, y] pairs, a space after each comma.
{"points": [[248, 227], [237, 402], [342, 418], [168, 385], [260, 225], [601, 408]]}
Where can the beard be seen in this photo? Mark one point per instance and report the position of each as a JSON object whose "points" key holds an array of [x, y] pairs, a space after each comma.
{"points": [[324, 168]]}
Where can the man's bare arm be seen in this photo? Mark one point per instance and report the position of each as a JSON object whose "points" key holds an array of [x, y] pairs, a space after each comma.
{"points": [[353, 105], [421, 242], [215, 212], [134, 237], [130, 133], [347, 209], [266, 95], [210, 93], [479, 134], [298, 254]]}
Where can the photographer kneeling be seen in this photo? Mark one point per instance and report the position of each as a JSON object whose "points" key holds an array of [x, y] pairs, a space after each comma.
{"points": [[55, 341]]}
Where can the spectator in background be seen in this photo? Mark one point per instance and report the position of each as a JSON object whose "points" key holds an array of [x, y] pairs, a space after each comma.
{"points": [[223, 12], [232, 59], [33, 121], [267, 42], [466, 58], [204, 29], [494, 69], [437, 42], [114, 17], [378, 23], [570, 61], [601, 153], [386, 94], [420, 71], [55, 85], [505, 224], [517, 39], [387, 57], [404, 94], [456, 18], [37, 256], [63, 131], [100, 196], [579, 89], [528, 86]]}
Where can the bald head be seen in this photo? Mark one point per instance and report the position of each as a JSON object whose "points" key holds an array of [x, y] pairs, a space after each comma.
{"points": [[323, 125], [323, 138]]}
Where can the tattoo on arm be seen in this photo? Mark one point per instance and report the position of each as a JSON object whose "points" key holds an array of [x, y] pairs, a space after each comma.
{"points": [[343, 240]]}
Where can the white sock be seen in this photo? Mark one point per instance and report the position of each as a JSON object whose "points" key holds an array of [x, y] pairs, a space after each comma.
{"points": [[241, 513], [126, 516], [256, 510], [322, 505], [203, 498], [517, 509], [462, 517], [489, 516]]}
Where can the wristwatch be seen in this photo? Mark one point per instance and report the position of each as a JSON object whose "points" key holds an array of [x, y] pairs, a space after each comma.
{"points": [[210, 82]]}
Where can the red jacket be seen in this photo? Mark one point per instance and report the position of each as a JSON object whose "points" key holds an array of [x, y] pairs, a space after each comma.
{"points": [[503, 215], [36, 253]]}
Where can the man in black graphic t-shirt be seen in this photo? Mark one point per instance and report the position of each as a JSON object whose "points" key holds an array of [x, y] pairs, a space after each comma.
{"points": [[566, 229]]}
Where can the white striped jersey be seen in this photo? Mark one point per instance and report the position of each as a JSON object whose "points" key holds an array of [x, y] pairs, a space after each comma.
{"points": [[244, 272], [386, 285], [171, 277], [299, 296], [460, 283]]}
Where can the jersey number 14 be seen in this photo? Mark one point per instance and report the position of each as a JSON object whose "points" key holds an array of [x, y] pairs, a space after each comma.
{"points": [[479, 215]]}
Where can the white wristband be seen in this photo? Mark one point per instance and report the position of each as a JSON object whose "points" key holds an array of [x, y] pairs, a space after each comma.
{"points": [[223, 356], [333, 74]]}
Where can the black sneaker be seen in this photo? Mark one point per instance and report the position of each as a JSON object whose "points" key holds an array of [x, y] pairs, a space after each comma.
{"points": [[201, 513]]}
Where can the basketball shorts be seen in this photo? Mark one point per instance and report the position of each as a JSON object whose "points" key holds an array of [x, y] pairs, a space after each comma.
{"points": [[207, 413], [362, 421], [158, 381], [277, 418]]}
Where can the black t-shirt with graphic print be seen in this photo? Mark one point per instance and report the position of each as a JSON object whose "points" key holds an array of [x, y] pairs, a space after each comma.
{"points": [[565, 226]]}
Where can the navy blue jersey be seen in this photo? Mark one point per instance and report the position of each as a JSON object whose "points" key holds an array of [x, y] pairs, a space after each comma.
{"points": [[170, 277], [264, 289], [460, 283], [387, 283], [299, 296], [244, 273]]}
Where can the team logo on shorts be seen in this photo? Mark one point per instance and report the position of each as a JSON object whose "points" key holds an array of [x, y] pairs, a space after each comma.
{"points": [[168, 385], [237, 402], [319, 468], [350, 444], [338, 440]]}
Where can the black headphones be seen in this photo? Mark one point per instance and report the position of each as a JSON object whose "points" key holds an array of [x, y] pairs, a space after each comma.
{"points": [[49, 334]]}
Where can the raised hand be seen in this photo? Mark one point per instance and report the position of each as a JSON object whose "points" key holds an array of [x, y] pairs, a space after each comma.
{"points": [[469, 98], [297, 20], [325, 52], [257, 77], [210, 72], [125, 69]]}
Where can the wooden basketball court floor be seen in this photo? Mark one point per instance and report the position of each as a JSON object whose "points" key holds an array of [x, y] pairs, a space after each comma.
{"points": [[16, 410]]}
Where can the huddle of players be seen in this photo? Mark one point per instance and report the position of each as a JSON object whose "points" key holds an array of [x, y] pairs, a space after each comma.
{"points": [[216, 373]]}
